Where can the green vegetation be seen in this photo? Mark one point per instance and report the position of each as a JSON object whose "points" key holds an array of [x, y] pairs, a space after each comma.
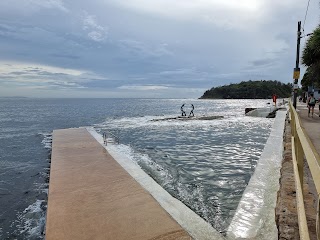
{"points": [[311, 59], [250, 90]]}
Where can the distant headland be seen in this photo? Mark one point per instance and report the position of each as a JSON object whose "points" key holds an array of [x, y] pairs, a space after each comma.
{"points": [[262, 89], [13, 97]]}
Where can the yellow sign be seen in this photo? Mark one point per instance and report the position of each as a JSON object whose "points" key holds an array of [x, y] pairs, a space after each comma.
{"points": [[296, 74]]}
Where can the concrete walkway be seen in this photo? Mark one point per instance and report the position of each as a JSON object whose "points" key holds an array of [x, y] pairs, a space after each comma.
{"points": [[310, 124], [92, 197]]}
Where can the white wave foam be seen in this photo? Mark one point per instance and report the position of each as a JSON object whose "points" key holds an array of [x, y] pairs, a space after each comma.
{"points": [[47, 140], [31, 221], [146, 121]]}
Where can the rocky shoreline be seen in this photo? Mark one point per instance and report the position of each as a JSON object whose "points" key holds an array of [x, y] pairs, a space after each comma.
{"points": [[286, 210]]}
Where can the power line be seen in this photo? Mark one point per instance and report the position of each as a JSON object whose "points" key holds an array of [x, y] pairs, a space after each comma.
{"points": [[305, 17]]}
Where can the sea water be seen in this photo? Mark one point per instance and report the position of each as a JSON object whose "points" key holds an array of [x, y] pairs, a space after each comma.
{"points": [[205, 164]]}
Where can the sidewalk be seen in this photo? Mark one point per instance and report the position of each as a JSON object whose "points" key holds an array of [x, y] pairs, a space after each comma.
{"points": [[310, 124]]}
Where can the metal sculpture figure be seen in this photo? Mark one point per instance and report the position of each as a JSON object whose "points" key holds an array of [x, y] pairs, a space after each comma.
{"points": [[191, 114], [183, 113]]}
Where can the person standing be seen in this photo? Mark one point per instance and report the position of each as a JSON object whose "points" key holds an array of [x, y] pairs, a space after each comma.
{"points": [[274, 99], [311, 103]]}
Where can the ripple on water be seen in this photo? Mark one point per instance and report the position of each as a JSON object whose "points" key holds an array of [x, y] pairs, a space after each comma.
{"points": [[205, 164]]}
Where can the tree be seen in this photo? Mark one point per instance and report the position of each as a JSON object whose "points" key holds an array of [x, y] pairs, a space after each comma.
{"points": [[311, 59], [250, 89], [309, 79]]}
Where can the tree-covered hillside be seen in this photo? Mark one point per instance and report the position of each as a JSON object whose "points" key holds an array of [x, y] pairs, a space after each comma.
{"points": [[250, 90]]}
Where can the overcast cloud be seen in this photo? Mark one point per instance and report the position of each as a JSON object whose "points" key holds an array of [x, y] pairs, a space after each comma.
{"points": [[145, 48]]}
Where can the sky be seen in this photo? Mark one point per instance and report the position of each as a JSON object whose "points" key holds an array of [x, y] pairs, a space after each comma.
{"points": [[146, 48]]}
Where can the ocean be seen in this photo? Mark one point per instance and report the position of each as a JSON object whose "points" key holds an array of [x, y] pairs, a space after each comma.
{"points": [[204, 163]]}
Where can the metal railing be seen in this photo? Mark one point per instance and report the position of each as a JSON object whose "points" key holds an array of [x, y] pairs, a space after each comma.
{"points": [[107, 135], [302, 148]]}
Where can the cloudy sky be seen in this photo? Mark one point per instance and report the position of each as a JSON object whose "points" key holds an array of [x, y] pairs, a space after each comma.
{"points": [[146, 48]]}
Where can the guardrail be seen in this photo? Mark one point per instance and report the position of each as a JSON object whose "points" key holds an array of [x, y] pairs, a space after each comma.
{"points": [[302, 148], [107, 135]]}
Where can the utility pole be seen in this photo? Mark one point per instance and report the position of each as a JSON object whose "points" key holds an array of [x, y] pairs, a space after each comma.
{"points": [[296, 72]]}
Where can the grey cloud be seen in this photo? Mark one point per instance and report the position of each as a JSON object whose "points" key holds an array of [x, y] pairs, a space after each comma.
{"points": [[30, 7], [31, 70], [68, 56], [67, 84], [177, 71], [95, 31], [46, 74], [59, 4], [144, 50], [37, 73], [17, 73], [103, 84], [6, 30], [263, 62], [115, 46], [40, 82]]}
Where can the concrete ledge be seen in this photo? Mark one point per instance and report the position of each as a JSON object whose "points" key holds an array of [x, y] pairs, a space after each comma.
{"points": [[255, 215], [260, 112], [92, 197]]}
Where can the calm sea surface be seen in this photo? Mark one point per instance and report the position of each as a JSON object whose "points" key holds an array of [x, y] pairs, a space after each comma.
{"points": [[205, 164]]}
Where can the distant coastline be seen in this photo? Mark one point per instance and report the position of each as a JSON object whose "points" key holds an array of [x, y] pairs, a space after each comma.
{"points": [[14, 97], [263, 89]]}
